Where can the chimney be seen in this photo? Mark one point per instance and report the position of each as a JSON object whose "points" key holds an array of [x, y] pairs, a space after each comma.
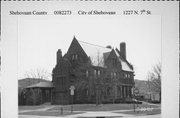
{"points": [[59, 55], [123, 49], [108, 46]]}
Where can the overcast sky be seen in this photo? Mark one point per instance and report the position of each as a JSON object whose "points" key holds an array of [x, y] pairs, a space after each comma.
{"points": [[40, 37]]}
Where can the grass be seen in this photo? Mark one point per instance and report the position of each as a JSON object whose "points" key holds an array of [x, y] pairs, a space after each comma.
{"points": [[32, 107], [103, 107], [55, 110], [48, 113]]}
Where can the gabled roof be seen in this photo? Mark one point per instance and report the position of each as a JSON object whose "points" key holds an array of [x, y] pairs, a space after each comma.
{"points": [[95, 53], [22, 83], [98, 54], [123, 62], [41, 85]]}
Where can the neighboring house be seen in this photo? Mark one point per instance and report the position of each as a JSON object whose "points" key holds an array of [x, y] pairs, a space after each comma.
{"points": [[99, 74], [22, 83], [145, 93], [34, 91]]}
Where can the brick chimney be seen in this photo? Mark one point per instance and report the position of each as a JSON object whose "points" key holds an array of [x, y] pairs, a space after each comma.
{"points": [[59, 55], [123, 49]]}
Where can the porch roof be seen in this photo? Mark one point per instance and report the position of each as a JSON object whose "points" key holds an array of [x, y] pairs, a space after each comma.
{"points": [[41, 85]]}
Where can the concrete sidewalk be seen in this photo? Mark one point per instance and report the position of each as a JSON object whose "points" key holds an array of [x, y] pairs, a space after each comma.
{"points": [[83, 115], [40, 109], [100, 114]]}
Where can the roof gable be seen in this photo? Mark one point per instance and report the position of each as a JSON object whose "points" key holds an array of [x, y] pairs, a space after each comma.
{"points": [[41, 85], [76, 48], [125, 65], [97, 54]]}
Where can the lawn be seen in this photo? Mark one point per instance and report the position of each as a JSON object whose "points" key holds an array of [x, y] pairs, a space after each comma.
{"points": [[32, 107], [102, 107], [48, 113], [56, 110]]}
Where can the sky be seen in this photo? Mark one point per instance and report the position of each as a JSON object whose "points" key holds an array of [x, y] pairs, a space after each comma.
{"points": [[39, 38]]}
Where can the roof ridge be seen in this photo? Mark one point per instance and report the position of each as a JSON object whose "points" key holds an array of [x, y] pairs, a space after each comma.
{"points": [[92, 44]]}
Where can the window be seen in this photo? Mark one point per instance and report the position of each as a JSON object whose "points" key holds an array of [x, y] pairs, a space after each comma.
{"points": [[124, 75], [111, 74], [128, 76], [74, 57], [99, 72], [95, 73], [87, 73], [114, 75], [114, 62]]}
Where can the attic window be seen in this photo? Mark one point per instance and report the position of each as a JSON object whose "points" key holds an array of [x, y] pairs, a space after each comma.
{"points": [[74, 57]]}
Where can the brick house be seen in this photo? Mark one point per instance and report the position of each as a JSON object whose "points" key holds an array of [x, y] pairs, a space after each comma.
{"points": [[99, 74]]}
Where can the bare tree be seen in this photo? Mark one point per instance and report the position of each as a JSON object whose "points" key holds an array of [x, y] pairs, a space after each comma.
{"points": [[154, 79], [38, 73], [98, 60]]}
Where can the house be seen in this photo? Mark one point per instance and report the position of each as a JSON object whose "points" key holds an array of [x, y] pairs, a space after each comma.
{"points": [[34, 91], [99, 74]]}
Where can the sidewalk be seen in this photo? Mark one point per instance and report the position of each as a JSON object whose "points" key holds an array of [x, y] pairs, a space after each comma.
{"points": [[82, 115], [41, 109], [87, 115]]}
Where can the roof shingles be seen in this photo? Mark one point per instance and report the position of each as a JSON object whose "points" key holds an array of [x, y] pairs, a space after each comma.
{"points": [[98, 54]]}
